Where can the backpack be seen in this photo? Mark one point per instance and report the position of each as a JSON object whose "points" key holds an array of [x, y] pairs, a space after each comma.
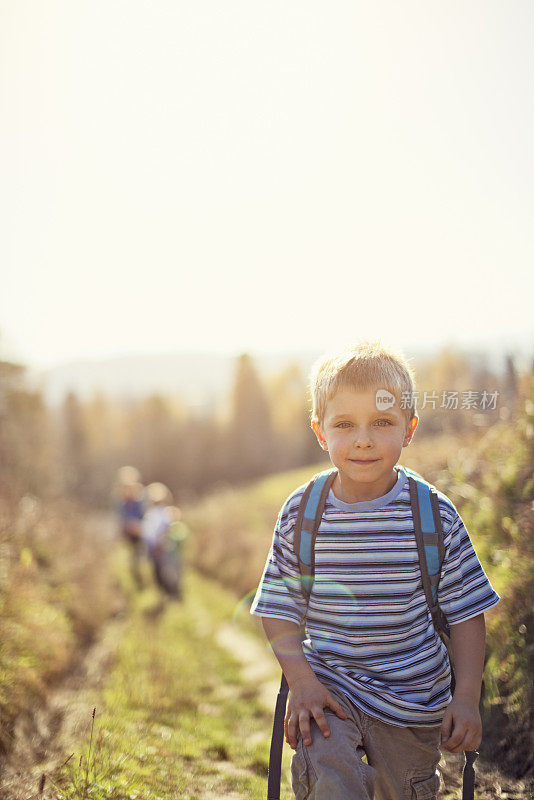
{"points": [[428, 531]]}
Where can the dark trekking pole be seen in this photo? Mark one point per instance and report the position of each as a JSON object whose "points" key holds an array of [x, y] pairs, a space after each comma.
{"points": [[277, 742], [468, 787]]}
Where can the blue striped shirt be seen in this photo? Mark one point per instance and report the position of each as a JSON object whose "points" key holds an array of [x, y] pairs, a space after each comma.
{"points": [[368, 627]]}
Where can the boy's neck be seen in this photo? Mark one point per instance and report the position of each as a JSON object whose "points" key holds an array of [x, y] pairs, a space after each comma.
{"points": [[361, 493]]}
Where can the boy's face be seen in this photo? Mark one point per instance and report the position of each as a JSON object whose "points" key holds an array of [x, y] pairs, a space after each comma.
{"points": [[363, 441]]}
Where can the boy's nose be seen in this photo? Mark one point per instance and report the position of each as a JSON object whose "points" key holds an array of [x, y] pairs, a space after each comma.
{"points": [[363, 439]]}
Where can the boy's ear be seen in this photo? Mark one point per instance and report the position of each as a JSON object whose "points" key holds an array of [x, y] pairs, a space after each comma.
{"points": [[319, 434], [412, 425]]}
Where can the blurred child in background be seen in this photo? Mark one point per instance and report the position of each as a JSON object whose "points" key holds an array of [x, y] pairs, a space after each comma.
{"points": [[157, 524], [130, 505]]}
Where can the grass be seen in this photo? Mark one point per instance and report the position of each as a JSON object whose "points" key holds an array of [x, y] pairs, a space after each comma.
{"points": [[177, 719], [232, 528], [54, 596]]}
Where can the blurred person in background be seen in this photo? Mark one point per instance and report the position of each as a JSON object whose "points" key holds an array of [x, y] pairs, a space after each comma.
{"points": [[130, 506], [157, 523]]}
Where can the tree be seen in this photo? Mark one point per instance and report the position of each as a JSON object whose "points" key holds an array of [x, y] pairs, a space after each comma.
{"points": [[250, 444], [25, 435], [511, 387], [76, 470], [296, 443]]}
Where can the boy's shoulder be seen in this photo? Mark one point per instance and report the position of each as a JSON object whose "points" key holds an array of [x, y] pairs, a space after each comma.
{"points": [[292, 501], [290, 507], [448, 510]]}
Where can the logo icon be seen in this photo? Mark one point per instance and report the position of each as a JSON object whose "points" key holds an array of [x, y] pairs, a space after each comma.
{"points": [[384, 399]]}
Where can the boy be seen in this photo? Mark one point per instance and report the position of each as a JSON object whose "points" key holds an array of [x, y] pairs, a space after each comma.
{"points": [[156, 525], [130, 506], [372, 676]]}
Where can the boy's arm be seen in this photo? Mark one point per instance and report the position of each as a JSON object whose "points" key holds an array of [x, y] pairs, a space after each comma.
{"points": [[461, 728], [308, 695], [285, 640]]}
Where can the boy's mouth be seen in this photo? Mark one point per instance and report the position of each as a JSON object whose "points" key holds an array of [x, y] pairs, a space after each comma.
{"points": [[364, 460]]}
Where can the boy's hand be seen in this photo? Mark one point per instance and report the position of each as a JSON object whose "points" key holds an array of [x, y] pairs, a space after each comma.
{"points": [[307, 698], [461, 728]]}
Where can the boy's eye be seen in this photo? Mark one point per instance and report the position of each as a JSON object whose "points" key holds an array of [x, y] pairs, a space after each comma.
{"points": [[382, 423]]}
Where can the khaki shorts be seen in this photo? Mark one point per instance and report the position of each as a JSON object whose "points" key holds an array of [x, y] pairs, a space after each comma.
{"points": [[401, 762]]}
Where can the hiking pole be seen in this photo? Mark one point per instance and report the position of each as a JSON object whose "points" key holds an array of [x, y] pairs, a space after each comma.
{"points": [[277, 742], [468, 786]]}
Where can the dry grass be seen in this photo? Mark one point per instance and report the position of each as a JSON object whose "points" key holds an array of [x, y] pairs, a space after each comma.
{"points": [[55, 592]]}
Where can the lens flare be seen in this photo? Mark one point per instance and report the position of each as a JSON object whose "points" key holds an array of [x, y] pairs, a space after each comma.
{"points": [[325, 596]]}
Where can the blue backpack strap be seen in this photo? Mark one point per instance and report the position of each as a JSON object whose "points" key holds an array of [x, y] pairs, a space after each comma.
{"points": [[428, 531], [308, 520]]}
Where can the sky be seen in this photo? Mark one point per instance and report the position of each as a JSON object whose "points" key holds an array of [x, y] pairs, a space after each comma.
{"points": [[264, 176]]}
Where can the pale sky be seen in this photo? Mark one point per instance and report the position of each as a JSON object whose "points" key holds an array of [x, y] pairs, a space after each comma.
{"points": [[275, 175]]}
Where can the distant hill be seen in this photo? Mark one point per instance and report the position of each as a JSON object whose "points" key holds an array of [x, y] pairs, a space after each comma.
{"points": [[200, 379]]}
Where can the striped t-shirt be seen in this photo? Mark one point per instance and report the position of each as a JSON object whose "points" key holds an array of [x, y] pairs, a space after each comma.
{"points": [[368, 627]]}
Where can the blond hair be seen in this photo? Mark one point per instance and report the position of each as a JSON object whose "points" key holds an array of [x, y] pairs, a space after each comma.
{"points": [[158, 493], [128, 476], [366, 365]]}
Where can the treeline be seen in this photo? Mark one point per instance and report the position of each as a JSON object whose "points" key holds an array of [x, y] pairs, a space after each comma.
{"points": [[74, 450]]}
